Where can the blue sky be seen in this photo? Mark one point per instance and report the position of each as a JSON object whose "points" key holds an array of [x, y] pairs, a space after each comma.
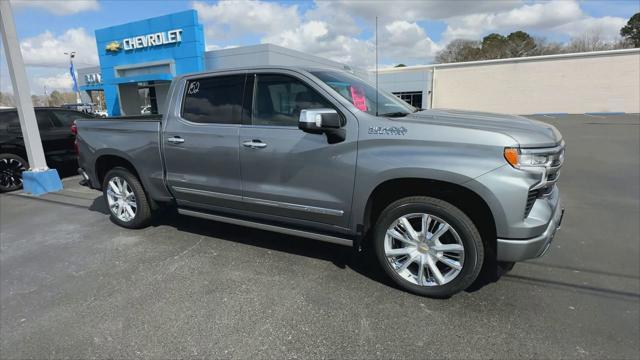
{"points": [[410, 32]]}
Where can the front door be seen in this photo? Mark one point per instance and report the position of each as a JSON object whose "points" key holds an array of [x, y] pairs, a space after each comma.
{"points": [[290, 173], [201, 143]]}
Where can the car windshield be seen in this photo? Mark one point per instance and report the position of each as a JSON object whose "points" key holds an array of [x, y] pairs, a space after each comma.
{"points": [[363, 95]]}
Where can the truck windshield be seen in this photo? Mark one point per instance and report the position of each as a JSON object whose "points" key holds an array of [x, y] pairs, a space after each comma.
{"points": [[363, 95]]}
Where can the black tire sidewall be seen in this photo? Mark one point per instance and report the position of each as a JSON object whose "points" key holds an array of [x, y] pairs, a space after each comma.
{"points": [[143, 211], [16, 157], [471, 239]]}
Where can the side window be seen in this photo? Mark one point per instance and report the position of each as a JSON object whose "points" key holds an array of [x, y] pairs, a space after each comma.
{"points": [[280, 98], [44, 120], [214, 100], [9, 121], [64, 118]]}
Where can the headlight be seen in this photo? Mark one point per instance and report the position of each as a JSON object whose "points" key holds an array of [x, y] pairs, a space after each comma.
{"points": [[518, 160]]}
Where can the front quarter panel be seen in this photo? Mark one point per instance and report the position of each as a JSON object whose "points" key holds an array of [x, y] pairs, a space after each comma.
{"points": [[392, 149]]}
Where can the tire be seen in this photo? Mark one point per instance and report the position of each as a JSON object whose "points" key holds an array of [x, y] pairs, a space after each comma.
{"points": [[121, 191], [456, 269], [11, 168]]}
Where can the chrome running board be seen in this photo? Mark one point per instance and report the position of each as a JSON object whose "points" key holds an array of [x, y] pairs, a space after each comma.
{"points": [[274, 228]]}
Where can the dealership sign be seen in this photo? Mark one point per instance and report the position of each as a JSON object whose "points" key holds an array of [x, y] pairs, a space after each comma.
{"points": [[144, 41], [93, 79]]}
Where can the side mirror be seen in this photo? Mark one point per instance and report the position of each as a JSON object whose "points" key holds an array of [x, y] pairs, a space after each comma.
{"points": [[319, 120]]}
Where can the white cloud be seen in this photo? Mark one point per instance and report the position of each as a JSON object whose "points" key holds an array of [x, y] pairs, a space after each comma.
{"points": [[607, 27], [420, 10], [48, 50], [59, 7], [229, 19], [56, 82], [342, 30], [563, 17], [402, 39], [315, 38]]}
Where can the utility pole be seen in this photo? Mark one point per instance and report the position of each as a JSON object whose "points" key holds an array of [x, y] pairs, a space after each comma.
{"points": [[72, 71], [39, 178]]}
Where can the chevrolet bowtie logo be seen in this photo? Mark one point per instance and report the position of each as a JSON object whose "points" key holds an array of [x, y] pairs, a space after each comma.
{"points": [[113, 46]]}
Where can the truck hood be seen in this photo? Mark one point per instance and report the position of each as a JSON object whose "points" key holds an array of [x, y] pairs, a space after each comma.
{"points": [[526, 132]]}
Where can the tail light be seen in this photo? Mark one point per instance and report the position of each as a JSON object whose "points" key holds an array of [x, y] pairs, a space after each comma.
{"points": [[74, 131]]}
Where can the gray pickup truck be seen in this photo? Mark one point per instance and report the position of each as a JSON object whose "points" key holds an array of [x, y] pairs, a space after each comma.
{"points": [[322, 154]]}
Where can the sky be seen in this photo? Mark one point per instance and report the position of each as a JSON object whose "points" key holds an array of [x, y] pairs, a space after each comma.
{"points": [[409, 32]]}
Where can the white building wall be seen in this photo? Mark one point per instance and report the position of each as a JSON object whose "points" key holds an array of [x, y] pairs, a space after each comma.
{"points": [[607, 81]]}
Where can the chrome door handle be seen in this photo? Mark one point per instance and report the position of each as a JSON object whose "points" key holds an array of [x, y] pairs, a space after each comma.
{"points": [[254, 144], [175, 140]]}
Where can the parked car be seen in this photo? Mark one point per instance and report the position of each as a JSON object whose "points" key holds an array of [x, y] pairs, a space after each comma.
{"points": [[322, 154], [57, 142]]}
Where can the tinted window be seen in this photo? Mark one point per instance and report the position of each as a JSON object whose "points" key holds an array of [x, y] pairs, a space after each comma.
{"points": [[64, 118], [9, 120], [44, 120], [279, 100], [214, 100]]}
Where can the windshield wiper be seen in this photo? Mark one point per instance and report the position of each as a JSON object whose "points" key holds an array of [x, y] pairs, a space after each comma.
{"points": [[395, 114]]}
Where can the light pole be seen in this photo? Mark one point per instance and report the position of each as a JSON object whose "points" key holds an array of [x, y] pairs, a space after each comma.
{"points": [[72, 70]]}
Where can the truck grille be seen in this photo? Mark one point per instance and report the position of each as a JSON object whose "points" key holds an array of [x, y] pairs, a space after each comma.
{"points": [[549, 177]]}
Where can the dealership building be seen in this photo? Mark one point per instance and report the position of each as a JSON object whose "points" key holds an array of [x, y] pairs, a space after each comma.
{"points": [[139, 59]]}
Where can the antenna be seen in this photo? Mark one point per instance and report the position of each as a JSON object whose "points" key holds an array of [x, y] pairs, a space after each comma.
{"points": [[376, 66]]}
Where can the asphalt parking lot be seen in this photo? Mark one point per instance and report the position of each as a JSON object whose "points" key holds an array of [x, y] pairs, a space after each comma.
{"points": [[74, 285]]}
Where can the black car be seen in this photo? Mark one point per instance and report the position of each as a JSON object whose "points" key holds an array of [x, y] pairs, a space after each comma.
{"points": [[58, 142]]}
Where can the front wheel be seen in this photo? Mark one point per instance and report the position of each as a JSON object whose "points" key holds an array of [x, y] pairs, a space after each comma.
{"points": [[428, 246], [126, 199]]}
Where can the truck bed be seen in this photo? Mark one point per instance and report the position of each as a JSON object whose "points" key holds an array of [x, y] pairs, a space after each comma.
{"points": [[134, 138]]}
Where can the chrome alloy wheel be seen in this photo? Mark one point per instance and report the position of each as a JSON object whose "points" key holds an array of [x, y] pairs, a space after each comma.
{"points": [[121, 199], [424, 249], [11, 173]]}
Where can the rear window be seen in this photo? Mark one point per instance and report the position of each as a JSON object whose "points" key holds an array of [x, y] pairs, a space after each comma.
{"points": [[214, 100], [65, 118], [9, 119]]}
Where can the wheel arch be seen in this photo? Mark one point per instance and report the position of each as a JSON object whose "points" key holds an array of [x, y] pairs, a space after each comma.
{"points": [[467, 200]]}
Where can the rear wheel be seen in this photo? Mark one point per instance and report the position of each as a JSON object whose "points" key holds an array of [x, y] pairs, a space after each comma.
{"points": [[11, 168], [428, 246], [126, 199]]}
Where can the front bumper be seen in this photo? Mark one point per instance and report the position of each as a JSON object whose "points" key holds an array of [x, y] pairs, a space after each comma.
{"points": [[522, 249]]}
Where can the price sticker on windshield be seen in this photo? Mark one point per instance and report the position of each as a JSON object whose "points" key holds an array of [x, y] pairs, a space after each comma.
{"points": [[357, 97]]}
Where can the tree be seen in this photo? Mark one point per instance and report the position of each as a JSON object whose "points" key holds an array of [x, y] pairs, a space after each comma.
{"points": [[495, 46], [6, 99], [400, 65], [520, 44], [459, 50], [56, 98], [631, 31]]}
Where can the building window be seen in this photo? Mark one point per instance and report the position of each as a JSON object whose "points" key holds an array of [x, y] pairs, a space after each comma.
{"points": [[413, 98]]}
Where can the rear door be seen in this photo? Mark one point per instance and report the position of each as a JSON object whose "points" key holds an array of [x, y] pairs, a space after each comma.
{"points": [[290, 173], [200, 142]]}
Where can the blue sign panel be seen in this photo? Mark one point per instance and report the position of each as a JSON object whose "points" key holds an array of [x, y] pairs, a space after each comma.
{"points": [[148, 50]]}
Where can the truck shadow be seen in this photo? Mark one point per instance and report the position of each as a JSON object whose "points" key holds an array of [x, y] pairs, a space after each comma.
{"points": [[363, 262]]}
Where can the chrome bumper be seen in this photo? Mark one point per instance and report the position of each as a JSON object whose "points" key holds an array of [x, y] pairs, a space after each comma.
{"points": [[518, 250]]}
